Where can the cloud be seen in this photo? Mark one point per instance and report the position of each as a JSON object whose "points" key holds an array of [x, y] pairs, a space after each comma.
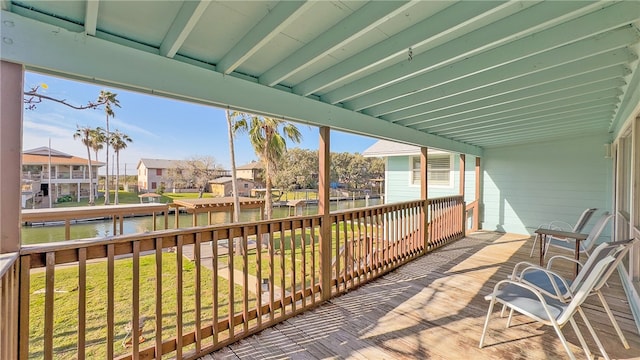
{"points": [[122, 125]]}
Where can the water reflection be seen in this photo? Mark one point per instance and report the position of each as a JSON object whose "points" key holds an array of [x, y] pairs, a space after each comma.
{"points": [[44, 234]]}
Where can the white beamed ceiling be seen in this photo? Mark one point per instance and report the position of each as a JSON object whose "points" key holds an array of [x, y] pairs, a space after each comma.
{"points": [[459, 76]]}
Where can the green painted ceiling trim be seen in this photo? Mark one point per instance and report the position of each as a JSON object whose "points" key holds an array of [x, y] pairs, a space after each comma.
{"points": [[630, 103], [455, 93], [566, 87], [365, 19], [91, 17], [611, 17], [601, 112], [557, 132], [48, 48], [545, 102], [502, 65], [262, 33], [417, 36], [468, 44], [576, 120], [591, 102], [187, 18]]}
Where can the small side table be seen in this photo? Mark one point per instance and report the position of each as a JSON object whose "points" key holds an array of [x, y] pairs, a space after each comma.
{"points": [[543, 233]]}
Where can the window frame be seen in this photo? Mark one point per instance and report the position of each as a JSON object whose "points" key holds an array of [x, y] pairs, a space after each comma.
{"points": [[412, 170]]}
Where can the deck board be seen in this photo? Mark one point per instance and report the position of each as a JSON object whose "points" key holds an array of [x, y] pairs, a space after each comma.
{"points": [[434, 307]]}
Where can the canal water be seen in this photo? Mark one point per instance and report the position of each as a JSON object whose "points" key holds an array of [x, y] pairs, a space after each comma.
{"points": [[101, 228]]}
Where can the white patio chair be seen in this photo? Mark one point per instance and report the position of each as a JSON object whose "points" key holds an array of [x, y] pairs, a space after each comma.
{"points": [[552, 284], [585, 245], [564, 226], [529, 301]]}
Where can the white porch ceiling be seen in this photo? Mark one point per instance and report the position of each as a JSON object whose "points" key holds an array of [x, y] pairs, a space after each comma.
{"points": [[459, 76]]}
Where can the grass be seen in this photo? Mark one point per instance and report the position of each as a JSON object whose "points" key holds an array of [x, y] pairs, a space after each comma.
{"points": [[66, 304], [294, 264]]}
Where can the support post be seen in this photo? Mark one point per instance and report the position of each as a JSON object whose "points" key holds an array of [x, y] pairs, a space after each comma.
{"points": [[11, 105], [462, 170], [323, 210], [476, 218], [424, 196]]}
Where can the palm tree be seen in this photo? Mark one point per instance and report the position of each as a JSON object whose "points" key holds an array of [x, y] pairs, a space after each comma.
{"points": [[232, 152], [118, 142], [85, 135], [269, 145], [98, 138], [109, 100]]}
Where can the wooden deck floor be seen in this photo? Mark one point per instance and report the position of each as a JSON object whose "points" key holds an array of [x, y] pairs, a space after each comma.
{"points": [[434, 308]]}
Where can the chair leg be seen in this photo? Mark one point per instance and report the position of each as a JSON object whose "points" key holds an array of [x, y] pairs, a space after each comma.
{"points": [[585, 347], [533, 247], [486, 322], [593, 334], [613, 321], [510, 317], [563, 341], [504, 307]]}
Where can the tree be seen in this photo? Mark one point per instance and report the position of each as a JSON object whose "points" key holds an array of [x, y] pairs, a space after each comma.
{"points": [[194, 173], [109, 100], [85, 135], [33, 97], [232, 154], [298, 170], [98, 139], [269, 145], [118, 142]]}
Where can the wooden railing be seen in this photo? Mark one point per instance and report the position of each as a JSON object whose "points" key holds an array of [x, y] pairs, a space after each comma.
{"points": [[472, 216], [183, 293], [446, 220], [9, 305]]}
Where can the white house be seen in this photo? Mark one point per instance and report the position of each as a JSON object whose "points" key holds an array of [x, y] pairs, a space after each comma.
{"points": [[69, 174], [154, 172]]}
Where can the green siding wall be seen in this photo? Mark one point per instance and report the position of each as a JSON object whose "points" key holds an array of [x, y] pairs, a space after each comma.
{"points": [[398, 178], [528, 185]]}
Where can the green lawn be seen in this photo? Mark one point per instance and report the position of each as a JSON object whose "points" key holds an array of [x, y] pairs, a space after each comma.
{"points": [[66, 304]]}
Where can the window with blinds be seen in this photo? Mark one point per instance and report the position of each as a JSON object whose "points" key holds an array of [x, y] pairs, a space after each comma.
{"points": [[438, 170]]}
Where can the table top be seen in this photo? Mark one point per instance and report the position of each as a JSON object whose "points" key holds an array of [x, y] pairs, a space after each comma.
{"points": [[562, 234]]}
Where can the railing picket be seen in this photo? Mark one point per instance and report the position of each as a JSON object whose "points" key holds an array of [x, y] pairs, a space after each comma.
{"points": [[214, 281], [293, 267], [82, 301], [337, 258], [245, 278], [231, 244], [198, 295], [368, 244], [258, 285], [360, 240], [179, 306], [135, 339], [312, 243], [303, 273], [48, 305], [271, 274], [110, 299], [283, 285], [158, 342], [25, 301], [348, 266]]}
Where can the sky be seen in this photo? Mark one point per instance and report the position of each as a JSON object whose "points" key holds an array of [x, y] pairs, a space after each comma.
{"points": [[160, 128]]}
